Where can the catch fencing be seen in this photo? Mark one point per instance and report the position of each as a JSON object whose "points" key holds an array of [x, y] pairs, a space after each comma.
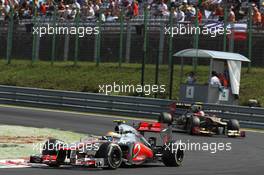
{"points": [[100, 49]]}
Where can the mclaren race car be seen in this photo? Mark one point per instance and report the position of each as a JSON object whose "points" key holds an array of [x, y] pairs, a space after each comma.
{"points": [[127, 145], [196, 122]]}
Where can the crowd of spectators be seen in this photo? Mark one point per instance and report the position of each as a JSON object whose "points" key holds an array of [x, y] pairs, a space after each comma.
{"points": [[111, 10]]}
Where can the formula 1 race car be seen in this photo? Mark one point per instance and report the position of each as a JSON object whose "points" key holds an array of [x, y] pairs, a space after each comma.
{"points": [[196, 122], [127, 145]]}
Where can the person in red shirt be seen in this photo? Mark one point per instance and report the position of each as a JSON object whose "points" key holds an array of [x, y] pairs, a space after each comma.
{"points": [[43, 8], [262, 19], [200, 16], [135, 8], [223, 80], [256, 16]]}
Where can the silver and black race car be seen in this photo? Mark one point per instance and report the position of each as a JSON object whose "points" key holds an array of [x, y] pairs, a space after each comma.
{"points": [[126, 145]]}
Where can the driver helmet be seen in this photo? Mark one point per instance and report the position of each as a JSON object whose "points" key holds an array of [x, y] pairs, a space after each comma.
{"points": [[202, 113], [113, 134], [196, 108]]}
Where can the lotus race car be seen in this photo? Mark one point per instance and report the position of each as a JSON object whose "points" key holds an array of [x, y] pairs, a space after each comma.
{"points": [[127, 145], [196, 122]]}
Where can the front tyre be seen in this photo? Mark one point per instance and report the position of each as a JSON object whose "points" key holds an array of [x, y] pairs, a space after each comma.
{"points": [[233, 128], [172, 154], [233, 124], [112, 155]]}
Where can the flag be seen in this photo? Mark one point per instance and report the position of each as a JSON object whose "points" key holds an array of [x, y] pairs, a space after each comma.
{"points": [[214, 26], [207, 13], [239, 31]]}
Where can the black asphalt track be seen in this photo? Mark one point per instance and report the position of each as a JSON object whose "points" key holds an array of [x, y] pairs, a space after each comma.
{"points": [[245, 157]]}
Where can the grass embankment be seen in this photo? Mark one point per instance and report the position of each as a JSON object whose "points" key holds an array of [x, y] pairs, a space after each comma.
{"points": [[19, 141], [86, 77]]}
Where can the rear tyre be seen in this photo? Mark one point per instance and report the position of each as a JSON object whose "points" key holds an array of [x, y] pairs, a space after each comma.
{"points": [[233, 124], [172, 157], [112, 155], [193, 122], [165, 118]]}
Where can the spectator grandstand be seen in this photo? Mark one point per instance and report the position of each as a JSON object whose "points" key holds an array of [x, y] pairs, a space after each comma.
{"points": [[111, 10]]}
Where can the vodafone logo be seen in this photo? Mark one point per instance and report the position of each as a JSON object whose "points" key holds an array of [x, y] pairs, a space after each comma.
{"points": [[137, 149]]}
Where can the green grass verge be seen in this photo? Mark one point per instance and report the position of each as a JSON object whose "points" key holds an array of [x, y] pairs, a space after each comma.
{"points": [[15, 140], [86, 77]]}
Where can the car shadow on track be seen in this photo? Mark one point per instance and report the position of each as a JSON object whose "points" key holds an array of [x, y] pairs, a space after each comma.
{"points": [[99, 169], [179, 134]]}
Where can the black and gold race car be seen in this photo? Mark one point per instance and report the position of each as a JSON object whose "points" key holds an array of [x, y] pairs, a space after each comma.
{"points": [[196, 122]]}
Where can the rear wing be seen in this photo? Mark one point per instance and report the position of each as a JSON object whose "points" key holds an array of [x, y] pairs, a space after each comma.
{"points": [[178, 108], [151, 127], [162, 129]]}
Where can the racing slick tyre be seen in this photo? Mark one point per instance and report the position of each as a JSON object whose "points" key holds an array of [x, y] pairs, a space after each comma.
{"points": [[193, 122], [51, 147], [233, 124], [165, 118], [112, 155], [35, 159], [172, 157]]}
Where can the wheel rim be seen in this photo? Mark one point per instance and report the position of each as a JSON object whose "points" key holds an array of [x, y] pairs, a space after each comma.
{"points": [[115, 157], [179, 156]]}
